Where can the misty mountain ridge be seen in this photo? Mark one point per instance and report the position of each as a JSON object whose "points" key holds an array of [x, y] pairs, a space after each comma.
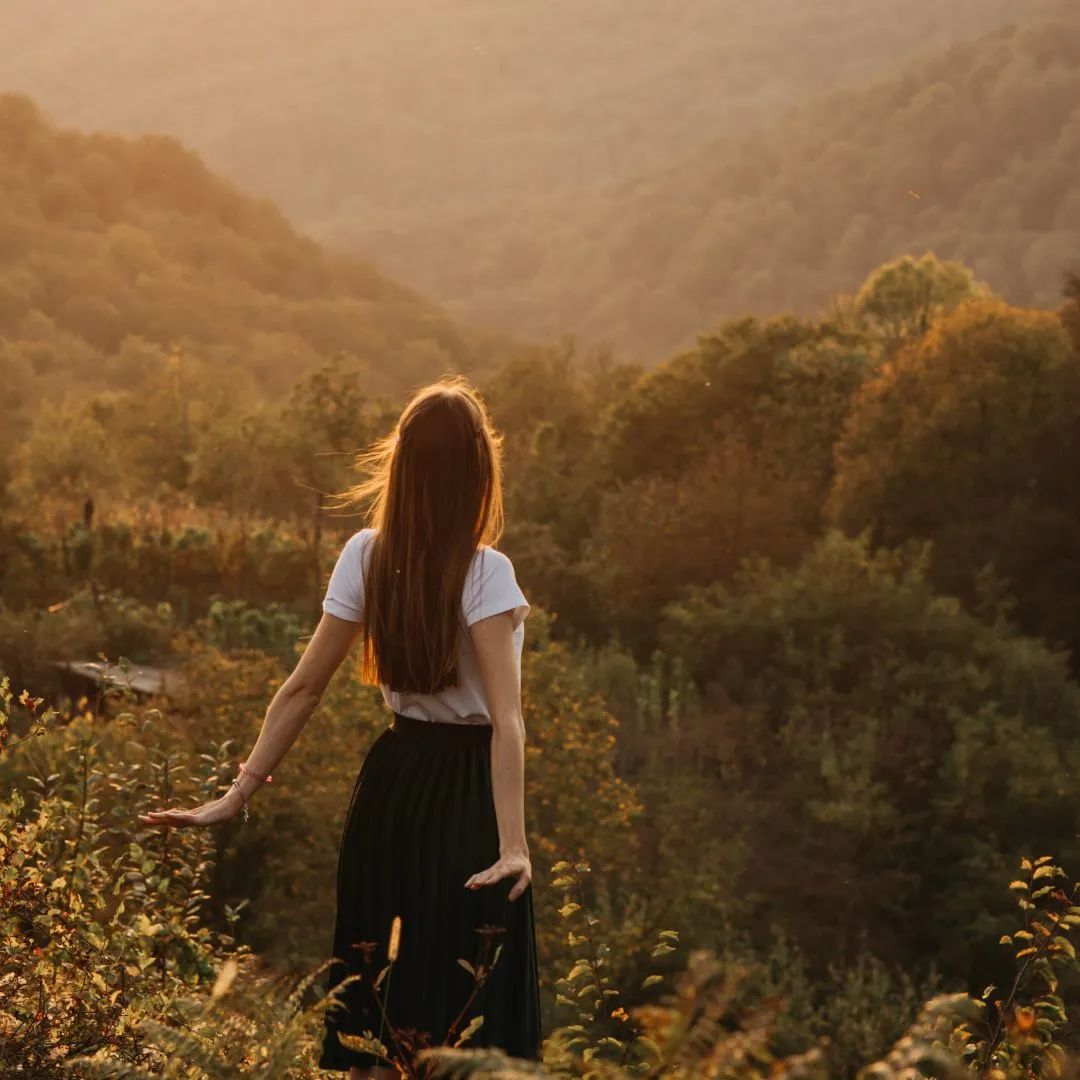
{"points": [[463, 148]]}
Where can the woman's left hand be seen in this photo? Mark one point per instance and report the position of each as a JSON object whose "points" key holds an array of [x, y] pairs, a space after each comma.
{"points": [[516, 865], [211, 813]]}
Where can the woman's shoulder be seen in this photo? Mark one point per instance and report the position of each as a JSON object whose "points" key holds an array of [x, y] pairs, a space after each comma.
{"points": [[358, 544], [486, 556], [361, 537], [489, 567]]}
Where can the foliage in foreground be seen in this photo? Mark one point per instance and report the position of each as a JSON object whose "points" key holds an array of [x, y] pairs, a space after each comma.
{"points": [[694, 1029], [108, 965], [98, 931]]}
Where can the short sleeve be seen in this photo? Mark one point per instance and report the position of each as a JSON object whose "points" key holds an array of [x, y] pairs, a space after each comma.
{"points": [[345, 591], [491, 587]]}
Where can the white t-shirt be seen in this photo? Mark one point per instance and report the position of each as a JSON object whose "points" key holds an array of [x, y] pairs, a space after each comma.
{"points": [[490, 587]]}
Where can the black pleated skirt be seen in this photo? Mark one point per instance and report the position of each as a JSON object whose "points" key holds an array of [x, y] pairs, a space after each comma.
{"points": [[421, 821]]}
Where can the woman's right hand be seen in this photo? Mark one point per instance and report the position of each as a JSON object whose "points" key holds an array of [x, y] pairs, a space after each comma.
{"points": [[514, 864]]}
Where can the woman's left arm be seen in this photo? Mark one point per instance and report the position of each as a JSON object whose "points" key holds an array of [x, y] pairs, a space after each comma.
{"points": [[286, 716]]}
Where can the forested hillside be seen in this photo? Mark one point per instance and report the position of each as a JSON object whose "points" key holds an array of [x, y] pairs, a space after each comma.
{"points": [[117, 254], [479, 151], [968, 151]]}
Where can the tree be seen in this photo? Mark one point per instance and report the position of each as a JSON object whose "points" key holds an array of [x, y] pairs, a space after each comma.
{"points": [[969, 439], [327, 419], [238, 463], [67, 453], [899, 300], [882, 753], [550, 406], [720, 453]]}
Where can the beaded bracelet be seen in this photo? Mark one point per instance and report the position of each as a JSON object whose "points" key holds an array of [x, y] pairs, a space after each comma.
{"points": [[254, 775]]}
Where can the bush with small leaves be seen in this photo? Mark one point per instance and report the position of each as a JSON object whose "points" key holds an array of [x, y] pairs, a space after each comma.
{"points": [[100, 921]]}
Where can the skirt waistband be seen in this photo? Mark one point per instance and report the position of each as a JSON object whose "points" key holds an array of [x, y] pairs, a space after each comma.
{"points": [[443, 733]]}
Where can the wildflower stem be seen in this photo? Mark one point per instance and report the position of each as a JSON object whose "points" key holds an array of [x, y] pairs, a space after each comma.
{"points": [[384, 1023], [479, 978], [1040, 949], [595, 962]]}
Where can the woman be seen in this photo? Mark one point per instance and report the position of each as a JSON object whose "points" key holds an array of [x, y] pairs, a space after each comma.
{"points": [[435, 832]]}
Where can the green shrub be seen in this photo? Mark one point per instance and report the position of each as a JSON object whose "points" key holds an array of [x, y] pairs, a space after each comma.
{"points": [[100, 919]]}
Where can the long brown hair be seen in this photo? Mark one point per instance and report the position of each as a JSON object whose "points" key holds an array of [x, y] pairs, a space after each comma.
{"points": [[435, 494]]}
